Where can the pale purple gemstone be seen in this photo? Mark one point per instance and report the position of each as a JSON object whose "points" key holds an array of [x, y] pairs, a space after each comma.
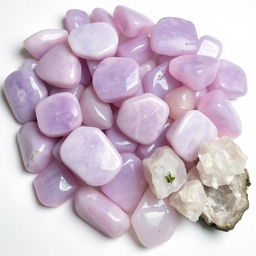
{"points": [[137, 48], [130, 22], [95, 112], [23, 90], [56, 149], [55, 185], [153, 221], [127, 188], [75, 18], [220, 111], [100, 212], [159, 81], [195, 71], [174, 36], [59, 67], [86, 76], [144, 151], [58, 114], [28, 64], [188, 132], [41, 42], [35, 147], [76, 91], [231, 79], [92, 65], [209, 46], [143, 117], [94, 41], [116, 79], [91, 156]]}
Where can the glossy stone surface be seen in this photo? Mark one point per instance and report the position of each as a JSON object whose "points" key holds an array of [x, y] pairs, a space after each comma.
{"points": [[58, 114], [158, 166], [231, 79], [23, 90], [143, 117], [159, 81], [127, 188], [76, 91], [95, 112], [220, 111], [146, 67], [41, 42], [54, 185], [91, 156], [184, 135], [94, 41], [153, 221], [130, 22], [35, 147], [100, 212], [195, 71], [59, 67], [174, 36], [180, 100], [75, 18], [116, 79], [209, 46]]}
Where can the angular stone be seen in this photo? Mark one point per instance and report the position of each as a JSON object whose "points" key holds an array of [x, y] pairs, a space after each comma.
{"points": [[143, 117], [101, 213], [76, 91], [58, 114], [91, 156], [188, 132], [195, 71], [153, 216], [75, 18]]}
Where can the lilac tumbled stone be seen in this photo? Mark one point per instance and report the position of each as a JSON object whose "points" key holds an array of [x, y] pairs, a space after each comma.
{"points": [[159, 81], [153, 221], [75, 18], [116, 79], [143, 117], [130, 22], [230, 79], [76, 91], [127, 188], [195, 71], [55, 185], [216, 106], [35, 147], [91, 156], [59, 67], [94, 41], [100, 212], [174, 36], [58, 114], [188, 132]]}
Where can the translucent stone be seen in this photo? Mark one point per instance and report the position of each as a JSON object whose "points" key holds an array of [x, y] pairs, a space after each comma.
{"points": [[220, 161], [75, 18], [190, 200], [164, 171]]}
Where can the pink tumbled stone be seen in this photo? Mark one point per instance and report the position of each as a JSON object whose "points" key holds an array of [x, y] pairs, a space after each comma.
{"points": [[95, 112], [35, 147], [127, 188], [91, 156], [195, 71], [76, 91], [41, 42], [55, 185], [159, 81], [100, 212], [153, 221], [130, 22], [230, 79], [58, 114], [143, 117], [75, 18], [180, 100], [174, 36], [59, 67], [220, 111], [188, 132], [116, 79]]}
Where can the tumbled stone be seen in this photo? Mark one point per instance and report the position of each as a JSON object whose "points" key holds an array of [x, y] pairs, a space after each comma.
{"points": [[75, 18], [76, 91], [90, 155]]}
